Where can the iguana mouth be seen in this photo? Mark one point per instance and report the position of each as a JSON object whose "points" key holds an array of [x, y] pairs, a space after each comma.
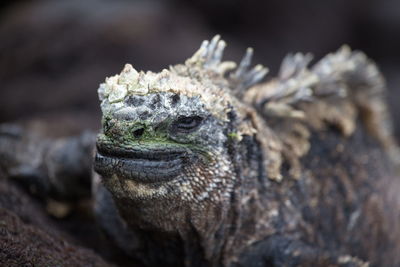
{"points": [[142, 164]]}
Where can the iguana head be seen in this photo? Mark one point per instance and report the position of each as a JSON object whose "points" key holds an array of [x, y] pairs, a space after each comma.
{"points": [[166, 136], [155, 143]]}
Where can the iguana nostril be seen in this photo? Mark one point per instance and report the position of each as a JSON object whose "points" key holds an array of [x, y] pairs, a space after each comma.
{"points": [[138, 132]]}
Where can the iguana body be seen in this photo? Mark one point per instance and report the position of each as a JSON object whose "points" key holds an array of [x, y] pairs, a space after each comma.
{"points": [[202, 165]]}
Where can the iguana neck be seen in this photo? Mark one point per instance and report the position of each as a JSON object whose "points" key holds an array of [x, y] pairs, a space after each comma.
{"points": [[211, 234]]}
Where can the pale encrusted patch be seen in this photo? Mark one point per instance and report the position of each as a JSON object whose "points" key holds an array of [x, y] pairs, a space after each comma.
{"points": [[347, 259], [117, 88]]}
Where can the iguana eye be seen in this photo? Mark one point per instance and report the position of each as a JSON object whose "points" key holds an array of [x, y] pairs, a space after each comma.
{"points": [[187, 124]]}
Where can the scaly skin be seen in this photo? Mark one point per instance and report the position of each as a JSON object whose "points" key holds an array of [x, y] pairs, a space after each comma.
{"points": [[191, 151], [203, 165]]}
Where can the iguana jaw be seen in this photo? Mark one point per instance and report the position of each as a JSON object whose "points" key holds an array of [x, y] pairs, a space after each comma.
{"points": [[143, 164]]}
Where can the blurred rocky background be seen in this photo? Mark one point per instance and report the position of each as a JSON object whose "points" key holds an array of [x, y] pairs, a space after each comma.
{"points": [[53, 54]]}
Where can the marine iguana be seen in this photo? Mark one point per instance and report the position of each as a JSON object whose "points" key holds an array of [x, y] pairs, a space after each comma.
{"points": [[202, 164]]}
